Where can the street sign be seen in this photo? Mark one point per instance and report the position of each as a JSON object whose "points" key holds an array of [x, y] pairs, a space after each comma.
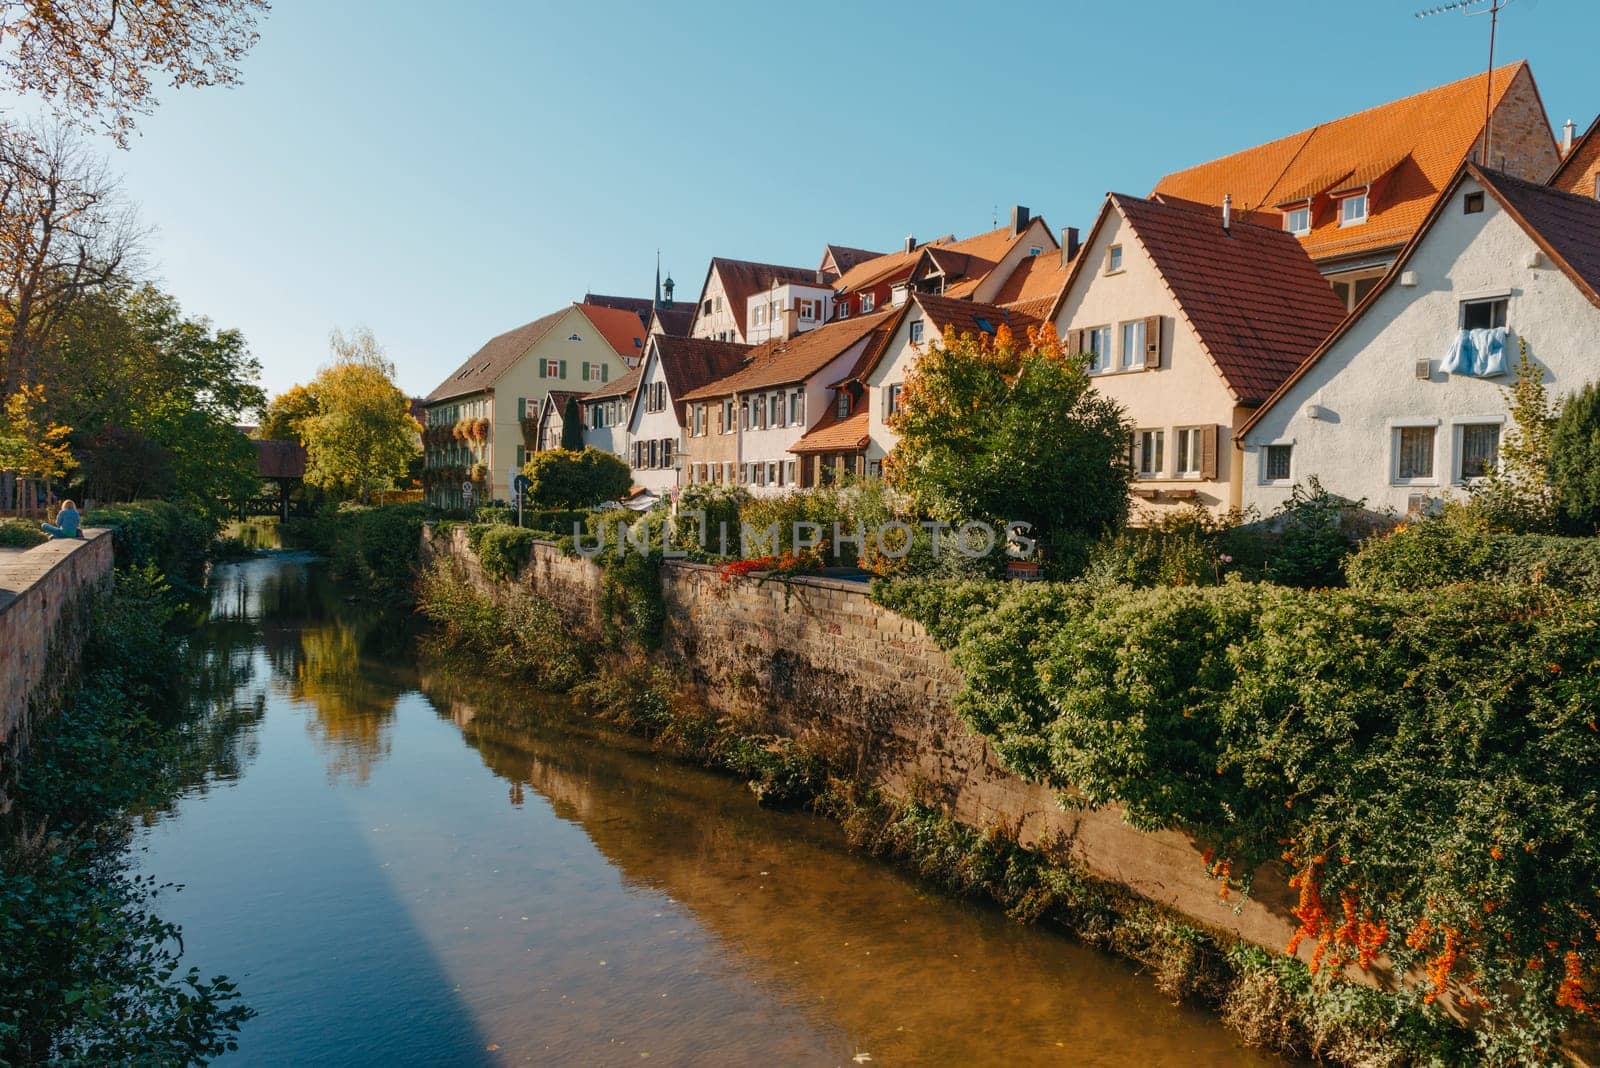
{"points": [[466, 490], [519, 490]]}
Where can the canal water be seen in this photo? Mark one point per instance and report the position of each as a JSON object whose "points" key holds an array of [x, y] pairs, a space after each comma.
{"points": [[402, 863]]}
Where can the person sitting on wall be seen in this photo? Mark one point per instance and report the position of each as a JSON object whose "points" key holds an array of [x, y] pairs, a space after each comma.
{"points": [[66, 524]]}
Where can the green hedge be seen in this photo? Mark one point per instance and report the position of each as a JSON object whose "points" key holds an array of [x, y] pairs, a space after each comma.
{"points": [[503, 551], [20, 534], [1460, 547], [1421, 764], [175, 539]]}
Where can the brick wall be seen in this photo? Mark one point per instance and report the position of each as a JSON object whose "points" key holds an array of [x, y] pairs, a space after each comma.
{"points": [[43, 620], [1523, 143], [819, 661]]}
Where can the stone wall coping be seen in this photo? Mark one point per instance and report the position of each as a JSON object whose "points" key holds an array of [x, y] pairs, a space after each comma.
{"points": [[20, 571]]}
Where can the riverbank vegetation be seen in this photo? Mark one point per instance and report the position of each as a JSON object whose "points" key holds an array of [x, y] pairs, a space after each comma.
{"points": [[91, 973]]}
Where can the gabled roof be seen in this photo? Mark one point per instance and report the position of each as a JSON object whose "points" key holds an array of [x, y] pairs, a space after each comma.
{"points": [[280, 459], [1566, 226], [840, 258], [963, 316], [742, 279], [556, 399], [869, 273], [1036, 276], [622, 387], [640, 306], [1584, 152], [497, 356], [619, 326], [688, 363], [784, 361], [832, 434], [968, 261], [1414, 145], [675, 319], [1253, 297]]}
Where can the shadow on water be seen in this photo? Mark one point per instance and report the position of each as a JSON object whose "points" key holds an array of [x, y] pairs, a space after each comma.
{"points": [[282, 889]]}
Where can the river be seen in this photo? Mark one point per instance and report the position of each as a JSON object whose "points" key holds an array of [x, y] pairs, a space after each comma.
{"points": [[401, 863]]}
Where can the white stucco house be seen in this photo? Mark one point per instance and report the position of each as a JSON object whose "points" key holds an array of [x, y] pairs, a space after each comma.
{"points": [[606, 412], [673, 368], [726, 295], [1191, 319], [786, 308], [1377, 412]]}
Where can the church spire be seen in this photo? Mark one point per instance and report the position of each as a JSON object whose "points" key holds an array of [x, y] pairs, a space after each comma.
{"points": [[657, 302]]}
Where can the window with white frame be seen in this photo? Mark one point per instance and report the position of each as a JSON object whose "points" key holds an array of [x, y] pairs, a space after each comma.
{"points": [[1187, 440], [1298, 220], [729, 425], [1278, 463], [844, 309], [552, 368], [772, 474], [792, 470], [795, 397], [1413, 460], [775, 413], [1477, 450], [916, 331], [868, 301], [807, 309], [1133, 341], [1113, 259], [1148, 451], [760, 314], [1483, 314], [1353, 210], [1099, 345]]}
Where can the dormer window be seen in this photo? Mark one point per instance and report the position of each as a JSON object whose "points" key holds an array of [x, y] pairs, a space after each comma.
{"points": [[1034, 250], [867, 302], [1353, 210], [1298, 220], [842, 409]]}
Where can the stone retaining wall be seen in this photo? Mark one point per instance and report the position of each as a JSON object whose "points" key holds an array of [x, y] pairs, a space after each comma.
{"points": [[43, 619], [816, 659]]}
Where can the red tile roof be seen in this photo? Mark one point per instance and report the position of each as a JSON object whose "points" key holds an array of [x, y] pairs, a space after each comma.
{"points": [[280, 459], [1038, 276], [842, 257], [784, 361], [1418, 142], [832, 434], [619, 326], [1254, 298], [970, 317], [1565, 225], [688, 363], [676, 320], [640, 306], [1582, 160]]}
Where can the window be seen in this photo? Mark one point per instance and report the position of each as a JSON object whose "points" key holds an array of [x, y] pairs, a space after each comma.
{"points": [[808, 310], [1479, 451], [772, 474], [1133, 340], [652, 453], [1113, 259], [842, 406], [1188, 442], [794, 407], [844, 309], [727, 471], [891, 403], [791, 467], [705, 308], [1353, 210], [1298, 220], [760, 314], [1279, 459], [1034, 250], [1413, 453], [666, 452], [1097, 343], [1147, 450], [552, 369], [1483, 314], [1472, 203], [867, 302], [728, 424], [775, 410], [916, 331], [698, 424]]}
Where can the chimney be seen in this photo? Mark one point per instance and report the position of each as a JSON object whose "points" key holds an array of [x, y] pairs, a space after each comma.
{"points": [[1019, 219], [1227, 211], [911, 243], [1069, 244], [1566, 137], [791, 320]]}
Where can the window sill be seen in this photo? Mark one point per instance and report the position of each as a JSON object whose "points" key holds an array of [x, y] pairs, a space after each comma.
{"points": [[1414, 483]]}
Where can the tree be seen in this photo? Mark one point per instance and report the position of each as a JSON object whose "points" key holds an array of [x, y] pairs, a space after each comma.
{"points": [[572, 426], [561, 478], [1519, 494], [32, 447], [1575, 459], [283, 418], [94, 59], [363, 437], [996, 429]]}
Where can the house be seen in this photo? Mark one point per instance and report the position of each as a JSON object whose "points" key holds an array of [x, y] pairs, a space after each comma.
{"points": [[1190, 320], [1579, 170], [673, 368], [725, 297], [741, 427], [1354, 190], [659, 315], [552, 418], [606, 412], [786, 308], [854, 434], [975, 268], [480, 421], [1390, 408]]}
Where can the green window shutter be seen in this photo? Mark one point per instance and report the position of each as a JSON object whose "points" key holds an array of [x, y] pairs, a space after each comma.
{"points": [[605, 371], [562, 369], [541, 368], [522, 407]]}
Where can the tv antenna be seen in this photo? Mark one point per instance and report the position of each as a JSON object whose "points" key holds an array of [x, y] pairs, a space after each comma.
{"points": [[1471, 8]]}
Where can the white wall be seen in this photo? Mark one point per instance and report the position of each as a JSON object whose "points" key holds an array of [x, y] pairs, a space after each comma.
{"points": [[772, 444], [1366, 383], [718, 324], [613, 438], [782, 298], [648, 426], [898, 358]]}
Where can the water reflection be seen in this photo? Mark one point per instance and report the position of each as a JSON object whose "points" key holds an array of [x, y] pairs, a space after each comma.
{"points": [[417, 866]]}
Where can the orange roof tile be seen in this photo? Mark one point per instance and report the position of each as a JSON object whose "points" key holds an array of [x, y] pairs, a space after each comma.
{"points": [[783, 361], [497, 356], [1035, 277], [1410, 146], [742, 279], [832, 434], [619, 326]]}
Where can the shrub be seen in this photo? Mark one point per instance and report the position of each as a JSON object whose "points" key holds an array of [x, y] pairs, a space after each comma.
{"points": [[1316, 533], [375, 549], [721, 505], [1179, 548], [1575, 459], [20, 534], [503, 551], [516, 633], [173, 538], [561, 479]]}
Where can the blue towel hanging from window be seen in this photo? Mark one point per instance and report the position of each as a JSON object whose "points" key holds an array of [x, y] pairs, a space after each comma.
{"points": [[1480, 353]]}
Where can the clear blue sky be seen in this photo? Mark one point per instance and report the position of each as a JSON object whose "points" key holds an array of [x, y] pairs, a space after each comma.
{"points": [[444, 172]]}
